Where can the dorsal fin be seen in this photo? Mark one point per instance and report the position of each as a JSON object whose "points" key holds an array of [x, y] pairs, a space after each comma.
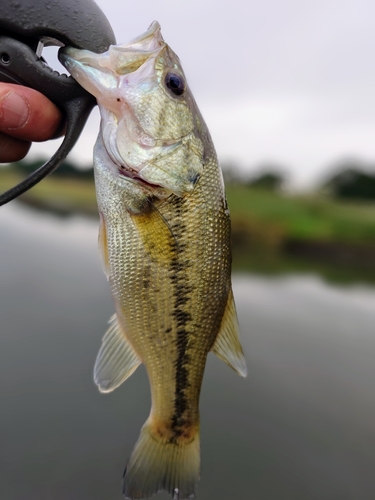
{"points": [[116, 359], [227, 345], [103, 247]]}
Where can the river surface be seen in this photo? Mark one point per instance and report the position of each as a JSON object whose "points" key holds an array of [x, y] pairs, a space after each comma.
{"points": [[300, 427]]}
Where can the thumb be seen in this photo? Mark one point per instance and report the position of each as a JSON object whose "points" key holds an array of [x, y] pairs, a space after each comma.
{"points": [[27, 114]]}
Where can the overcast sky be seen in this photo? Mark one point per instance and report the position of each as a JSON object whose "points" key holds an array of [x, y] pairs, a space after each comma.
{"points": [[290, 82]]}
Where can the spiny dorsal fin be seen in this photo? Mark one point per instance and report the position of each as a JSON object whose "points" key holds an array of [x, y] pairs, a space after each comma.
{"points": [[116, 359], [227, 345], [156, 234], [103, 247]]}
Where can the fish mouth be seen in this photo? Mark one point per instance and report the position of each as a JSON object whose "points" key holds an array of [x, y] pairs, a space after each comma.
{"points": [[120, 59], [130, 57], [149, 41]]}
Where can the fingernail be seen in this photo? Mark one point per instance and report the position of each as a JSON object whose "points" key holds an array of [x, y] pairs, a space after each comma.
{"points": [[14, 111]]}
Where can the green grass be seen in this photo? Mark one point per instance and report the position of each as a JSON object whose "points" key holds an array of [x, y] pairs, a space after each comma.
{"points": [[55, 193], [310, 218]]}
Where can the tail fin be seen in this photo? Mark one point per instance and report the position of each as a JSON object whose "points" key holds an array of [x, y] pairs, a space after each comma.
{"points": [[157, 464]]}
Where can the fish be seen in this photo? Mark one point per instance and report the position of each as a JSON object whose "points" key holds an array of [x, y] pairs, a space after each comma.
{"points": [[165, 241]]}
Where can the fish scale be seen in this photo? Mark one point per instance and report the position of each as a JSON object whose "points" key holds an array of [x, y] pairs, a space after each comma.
{"points": [[165, 242]]}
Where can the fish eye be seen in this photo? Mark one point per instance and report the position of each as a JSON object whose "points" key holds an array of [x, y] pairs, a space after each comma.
{"points": [[175, 83]]}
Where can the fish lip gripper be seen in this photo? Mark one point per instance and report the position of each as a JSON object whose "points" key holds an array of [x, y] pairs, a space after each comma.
{"points": [[28, 25]]}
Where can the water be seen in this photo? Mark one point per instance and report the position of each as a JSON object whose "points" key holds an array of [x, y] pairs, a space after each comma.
{"points": [[301, 426]]}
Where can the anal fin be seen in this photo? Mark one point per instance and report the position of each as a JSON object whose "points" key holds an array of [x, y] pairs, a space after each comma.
{"points": [[227, 345], [116, 359]]}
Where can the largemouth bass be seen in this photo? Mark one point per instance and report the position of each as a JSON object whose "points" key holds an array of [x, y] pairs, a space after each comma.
{"points": [[165, 240]]}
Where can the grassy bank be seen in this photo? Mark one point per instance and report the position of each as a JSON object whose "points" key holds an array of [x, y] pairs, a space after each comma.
{"points": [[273, 232], [275, 218]]}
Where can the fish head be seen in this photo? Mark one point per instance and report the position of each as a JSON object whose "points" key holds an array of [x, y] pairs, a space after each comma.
{"points": [[151, 127]]}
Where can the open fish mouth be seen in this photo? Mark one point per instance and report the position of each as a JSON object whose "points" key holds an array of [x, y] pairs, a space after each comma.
{"points": [[130, 57], [119, 59]]}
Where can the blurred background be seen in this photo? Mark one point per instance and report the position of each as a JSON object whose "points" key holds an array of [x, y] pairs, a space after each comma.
{"points": [[286, 89]]}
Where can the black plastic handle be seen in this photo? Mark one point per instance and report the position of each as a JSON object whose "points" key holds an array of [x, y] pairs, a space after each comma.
{"points": [[19, 64], [78, 23]]}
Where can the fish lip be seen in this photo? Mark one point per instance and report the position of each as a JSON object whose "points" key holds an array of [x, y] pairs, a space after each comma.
{"points": [[132, 54], [131, 57], [149, 33]]}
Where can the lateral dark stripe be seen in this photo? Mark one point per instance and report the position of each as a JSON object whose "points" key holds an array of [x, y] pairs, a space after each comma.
{"points": [[182, 317]]}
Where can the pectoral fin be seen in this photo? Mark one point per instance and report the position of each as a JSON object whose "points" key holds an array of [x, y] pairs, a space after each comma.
{"points": [[103, 247], [116, 359], [227, 345], [156, 234]]}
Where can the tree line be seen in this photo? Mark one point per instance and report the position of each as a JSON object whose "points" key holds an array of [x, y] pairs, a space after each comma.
{"points": [[348, 179]]}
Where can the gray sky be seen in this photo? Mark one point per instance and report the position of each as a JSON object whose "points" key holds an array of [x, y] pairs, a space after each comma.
{"points": [[285, 81]]}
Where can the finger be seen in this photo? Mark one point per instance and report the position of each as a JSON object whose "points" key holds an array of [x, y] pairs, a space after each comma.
{"points": [[12, 149], [27, 114]]}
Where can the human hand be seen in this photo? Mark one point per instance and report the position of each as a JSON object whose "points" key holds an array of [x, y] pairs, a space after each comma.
{"points": [[25, 115]]}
